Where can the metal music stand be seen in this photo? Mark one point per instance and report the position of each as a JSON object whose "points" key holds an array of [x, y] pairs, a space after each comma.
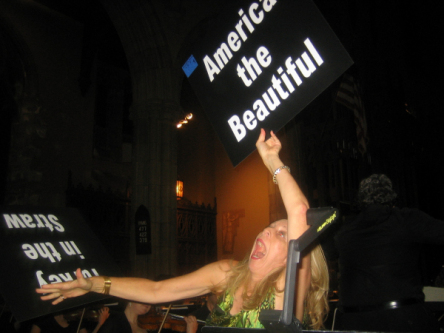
{"points": [[284, 321]]}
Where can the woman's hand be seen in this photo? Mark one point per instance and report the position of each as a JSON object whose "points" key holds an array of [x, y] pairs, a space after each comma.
{"points": [[269, 149], [64, 290]]}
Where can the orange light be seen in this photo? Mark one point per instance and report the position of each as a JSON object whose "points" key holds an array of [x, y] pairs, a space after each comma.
{"points": [[179, 189]]}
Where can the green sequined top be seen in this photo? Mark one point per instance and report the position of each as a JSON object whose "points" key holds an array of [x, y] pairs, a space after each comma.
{"points": [[244, 319]]}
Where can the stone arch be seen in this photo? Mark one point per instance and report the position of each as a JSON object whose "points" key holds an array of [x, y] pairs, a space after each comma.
{"points": [[155, 87], [16, 61], [19, 110], [146, 47]]}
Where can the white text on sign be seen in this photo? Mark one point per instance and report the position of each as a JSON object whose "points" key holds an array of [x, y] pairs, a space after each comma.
{"points": [[281, 85], [224, 53]]}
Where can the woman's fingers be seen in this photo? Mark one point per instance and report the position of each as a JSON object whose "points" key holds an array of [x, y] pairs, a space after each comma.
{"points": [[59, 294], [63, 290], [273, 136], [57, 300], [57, 297], [50, 296], [261, 137], [45, 290], [52, 287], [49, 292], [53, 294]]}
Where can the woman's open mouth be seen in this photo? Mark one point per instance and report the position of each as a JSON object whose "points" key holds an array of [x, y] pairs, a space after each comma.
{"points": [[259, 250]]}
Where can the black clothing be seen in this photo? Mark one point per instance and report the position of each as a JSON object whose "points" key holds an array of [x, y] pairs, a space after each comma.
{"points": [[379, 254], [117, 323], [411, 318], [50, 325], [200, 314]]}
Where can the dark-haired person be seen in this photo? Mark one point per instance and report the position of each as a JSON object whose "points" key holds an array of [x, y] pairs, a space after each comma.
{"points": [[379, 251], [245, 287]]}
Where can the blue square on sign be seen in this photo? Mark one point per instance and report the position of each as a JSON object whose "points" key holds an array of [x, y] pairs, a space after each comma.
{"points": [[189, 66]]}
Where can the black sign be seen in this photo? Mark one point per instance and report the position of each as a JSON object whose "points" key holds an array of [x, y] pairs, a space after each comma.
{"points": [[143, 230], [260, 64], [46, 245]]}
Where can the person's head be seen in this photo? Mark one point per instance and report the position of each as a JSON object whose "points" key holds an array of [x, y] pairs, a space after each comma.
{"points": [[269, 250], [262, 266], [138, 308], [376, 189], [316, 301]]}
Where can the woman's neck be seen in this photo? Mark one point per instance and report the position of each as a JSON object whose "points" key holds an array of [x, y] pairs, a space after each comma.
{"points": [[248, 288], [254, 280]]}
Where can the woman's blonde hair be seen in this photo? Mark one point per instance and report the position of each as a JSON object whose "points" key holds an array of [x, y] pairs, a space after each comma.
{"points": [[316, 303]]}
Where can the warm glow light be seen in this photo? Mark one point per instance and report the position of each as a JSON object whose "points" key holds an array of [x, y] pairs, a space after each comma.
{"points": [[179, 189], [185, 120]]}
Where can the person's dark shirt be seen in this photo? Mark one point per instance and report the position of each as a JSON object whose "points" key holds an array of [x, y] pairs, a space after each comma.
{"points": [[379, 254], [50, 325], [201, 313], [117, 323]]}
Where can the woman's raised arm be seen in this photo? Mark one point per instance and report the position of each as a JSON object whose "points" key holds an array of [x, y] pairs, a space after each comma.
{"points": [[296, 206], [295, 202]]}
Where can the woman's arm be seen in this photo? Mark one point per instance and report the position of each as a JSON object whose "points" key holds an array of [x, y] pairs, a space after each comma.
{"points": [[141, 290], [295, 202], [296, 206]]}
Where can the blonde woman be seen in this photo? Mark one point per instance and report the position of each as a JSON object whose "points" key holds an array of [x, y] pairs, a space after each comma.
{"points": [[245, 287]]}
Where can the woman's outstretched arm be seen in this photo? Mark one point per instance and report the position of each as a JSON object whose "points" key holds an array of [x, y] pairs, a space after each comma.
{"points": [[142, 290]]}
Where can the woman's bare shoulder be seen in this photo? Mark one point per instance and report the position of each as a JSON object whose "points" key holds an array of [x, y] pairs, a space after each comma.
{"points": [[226, 265], [220, 272]]}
